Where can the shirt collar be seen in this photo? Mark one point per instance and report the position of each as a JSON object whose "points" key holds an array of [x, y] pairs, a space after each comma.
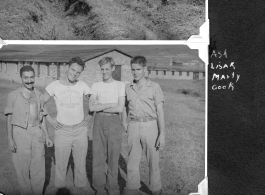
{"points": [[21, 90], [148, 84]]}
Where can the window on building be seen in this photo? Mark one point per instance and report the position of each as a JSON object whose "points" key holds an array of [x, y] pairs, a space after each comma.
{"points": [[188, 73], [38, 69], [58, 71], [48, 69], [180, 73], [156, 72], [173, 73], [165, 72], [17, 67], [1, 66], [116, 74], [203, 74]]}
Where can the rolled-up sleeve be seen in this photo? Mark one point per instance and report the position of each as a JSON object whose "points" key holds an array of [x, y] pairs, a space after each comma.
{"points": [[159, 97], [10, 104], [86, 89], [49, 89]]}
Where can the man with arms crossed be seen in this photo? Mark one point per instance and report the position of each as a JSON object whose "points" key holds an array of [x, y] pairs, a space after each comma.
{"points": [[27, 133], [107, 100], [145, 127], [70, 124]]}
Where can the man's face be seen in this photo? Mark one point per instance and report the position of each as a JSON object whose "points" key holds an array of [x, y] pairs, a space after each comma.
{"points": [[28, 79], [138, 71], [106, 71], [74, 72]]}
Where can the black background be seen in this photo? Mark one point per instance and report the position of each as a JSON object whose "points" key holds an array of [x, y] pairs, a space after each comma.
{"points": [[236, 119]]}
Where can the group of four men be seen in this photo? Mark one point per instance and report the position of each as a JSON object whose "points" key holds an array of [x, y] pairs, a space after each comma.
{"points": [[142, 118]]}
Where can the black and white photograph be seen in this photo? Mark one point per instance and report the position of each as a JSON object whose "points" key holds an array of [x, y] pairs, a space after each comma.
{"points": [[101, 119], [101, 19]]}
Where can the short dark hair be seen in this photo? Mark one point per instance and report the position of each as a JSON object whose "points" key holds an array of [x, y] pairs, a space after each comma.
{"points": [[139, 60], [26, 69], [106, 60], [77, 60]]}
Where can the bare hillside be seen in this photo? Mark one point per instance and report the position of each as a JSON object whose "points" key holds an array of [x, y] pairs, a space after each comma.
{"points": [[100, 19]]}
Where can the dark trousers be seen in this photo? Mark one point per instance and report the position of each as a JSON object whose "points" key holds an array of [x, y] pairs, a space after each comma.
{"points": [[107, 140]]}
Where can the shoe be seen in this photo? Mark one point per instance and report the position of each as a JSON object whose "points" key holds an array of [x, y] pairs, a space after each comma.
{"points": [[131, 192], [159, 192]]}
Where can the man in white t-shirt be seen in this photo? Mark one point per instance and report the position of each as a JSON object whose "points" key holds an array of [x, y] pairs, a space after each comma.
{"points": [[107, 100], [70, 123]]}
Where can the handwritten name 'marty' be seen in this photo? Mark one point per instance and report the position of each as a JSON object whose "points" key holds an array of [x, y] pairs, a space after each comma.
{"points": [[232, 77]]}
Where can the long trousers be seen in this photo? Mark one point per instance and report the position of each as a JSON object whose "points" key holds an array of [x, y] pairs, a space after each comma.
{"points": [[29, 160], [142, 136], [66, 140], [107, 140]]}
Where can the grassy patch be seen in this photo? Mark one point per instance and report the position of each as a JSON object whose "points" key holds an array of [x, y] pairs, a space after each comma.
{"points": [[170, 19], [186, 87], [100, 20], [106, 21], [32, 19]]}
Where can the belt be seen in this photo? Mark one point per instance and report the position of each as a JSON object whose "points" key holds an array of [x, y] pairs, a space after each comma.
{"points": [[107, 113], [143, 119], [33, 124]]}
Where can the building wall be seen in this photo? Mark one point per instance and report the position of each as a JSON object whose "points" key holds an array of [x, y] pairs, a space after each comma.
{"points": [[201, 75], [47, 72], [177, 75], [92, 72], [10, 71]]}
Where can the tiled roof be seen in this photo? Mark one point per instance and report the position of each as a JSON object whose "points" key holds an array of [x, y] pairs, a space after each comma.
{"points": [[63, 56], [187, 68]]}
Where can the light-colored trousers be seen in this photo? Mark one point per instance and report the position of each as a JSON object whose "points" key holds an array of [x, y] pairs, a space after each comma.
{"points": [[67, 140], [142, 136], [29, 160]]}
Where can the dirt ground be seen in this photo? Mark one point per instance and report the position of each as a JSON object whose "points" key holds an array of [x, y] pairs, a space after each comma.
{"points": [[181, 161]]}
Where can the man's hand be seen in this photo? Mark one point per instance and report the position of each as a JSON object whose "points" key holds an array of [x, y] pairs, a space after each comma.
{"points": [[48, 142], [55, 123], [160, 142], [12, 145], [125, 126]]}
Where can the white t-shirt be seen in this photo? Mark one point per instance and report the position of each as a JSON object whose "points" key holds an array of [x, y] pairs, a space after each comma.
{"points": [[69, 101], [108, 92]]}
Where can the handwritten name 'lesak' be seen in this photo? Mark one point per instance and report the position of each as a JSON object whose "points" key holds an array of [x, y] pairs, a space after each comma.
{"points": [[220, 66]]}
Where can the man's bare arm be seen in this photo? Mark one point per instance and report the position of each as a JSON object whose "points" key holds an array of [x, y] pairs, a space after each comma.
{"points": [[161, 125], [119, 107], [46, 97], [94, 106], [45, 131], [124, 119]]}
